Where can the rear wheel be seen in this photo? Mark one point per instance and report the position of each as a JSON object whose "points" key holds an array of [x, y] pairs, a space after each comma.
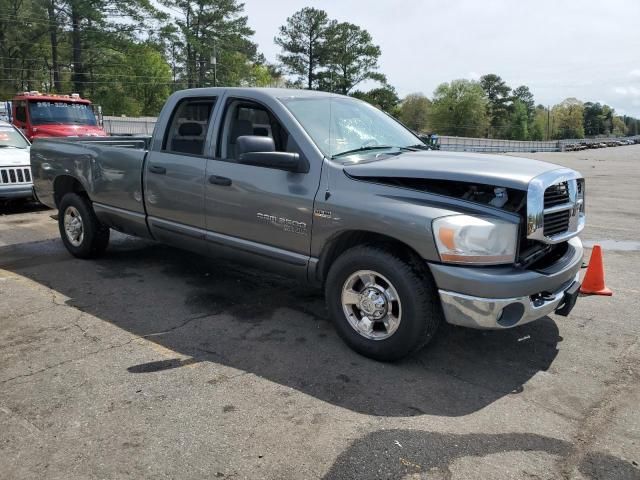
{"points": [[384, 307], [81, 231]]}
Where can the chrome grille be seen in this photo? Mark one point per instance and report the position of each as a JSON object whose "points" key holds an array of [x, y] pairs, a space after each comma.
{"points": [[556, 195], [555, 223], [15, 175], [555, 206]]}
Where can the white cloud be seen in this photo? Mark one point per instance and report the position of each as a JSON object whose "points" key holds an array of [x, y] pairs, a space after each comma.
{"points": [[629, 91], [635, 73]]}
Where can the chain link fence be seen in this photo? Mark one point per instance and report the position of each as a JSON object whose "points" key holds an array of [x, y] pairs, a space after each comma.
{"points": [[494, 145], [135, 126], [489, 145]]}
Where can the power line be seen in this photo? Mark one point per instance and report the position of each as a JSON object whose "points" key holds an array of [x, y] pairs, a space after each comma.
{"points": [[68, 23], [96, 82], [95, 74]]}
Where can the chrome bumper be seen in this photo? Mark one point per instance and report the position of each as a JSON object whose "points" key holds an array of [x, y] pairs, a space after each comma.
{"points": [[499, 313]]}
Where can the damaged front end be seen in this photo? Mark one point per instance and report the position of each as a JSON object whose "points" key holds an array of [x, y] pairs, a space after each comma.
{"points": [[532, 253]]}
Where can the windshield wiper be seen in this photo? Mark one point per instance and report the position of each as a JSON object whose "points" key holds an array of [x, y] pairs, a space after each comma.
{"points": [[420, 146], [364, 149]]}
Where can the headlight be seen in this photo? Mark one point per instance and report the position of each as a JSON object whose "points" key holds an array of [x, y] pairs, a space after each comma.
{"points": [[476, 240]]}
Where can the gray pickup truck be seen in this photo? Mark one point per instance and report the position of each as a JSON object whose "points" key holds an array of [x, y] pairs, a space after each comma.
{"points": [[335, 192]]}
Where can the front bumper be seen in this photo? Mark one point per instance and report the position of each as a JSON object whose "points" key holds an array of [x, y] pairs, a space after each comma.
{"points": [[506, 297], [497, 313], [18, 191]]}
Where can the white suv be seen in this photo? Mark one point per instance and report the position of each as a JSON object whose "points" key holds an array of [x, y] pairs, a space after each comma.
{"points": [[15, 167]]}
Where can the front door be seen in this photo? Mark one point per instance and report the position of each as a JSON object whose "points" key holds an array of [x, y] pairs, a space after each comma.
{"points": [[175, 175], [263, 211]]}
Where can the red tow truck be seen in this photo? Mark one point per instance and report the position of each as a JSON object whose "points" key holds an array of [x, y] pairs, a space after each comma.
{"points": [[47, 115]]}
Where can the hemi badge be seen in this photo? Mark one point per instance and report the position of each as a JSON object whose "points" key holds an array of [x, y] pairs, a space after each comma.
{"points": [[322, 213]]}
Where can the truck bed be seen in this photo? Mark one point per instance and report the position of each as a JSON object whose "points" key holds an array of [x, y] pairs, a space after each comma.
{"points": [[109, 168]]}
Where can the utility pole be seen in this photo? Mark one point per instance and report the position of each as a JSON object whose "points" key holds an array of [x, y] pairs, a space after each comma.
{"points": [[214, 60], [548, 116], [173, 64]]}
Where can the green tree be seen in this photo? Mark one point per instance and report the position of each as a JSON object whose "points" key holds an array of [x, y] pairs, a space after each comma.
{"points": [[213, 40], [303, 40], [459, 108], [539, 125], [23, 53], [139, 86], [633, 126], [351, 58], [498, 97], [149, 64], [607, 114], [619, 127], [593, 119], [414, 112], [524, 95], [569, 119], [519, 121], [385, 98]]}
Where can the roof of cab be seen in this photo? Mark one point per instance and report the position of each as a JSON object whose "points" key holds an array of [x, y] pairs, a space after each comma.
{"points": [[258, 92]]}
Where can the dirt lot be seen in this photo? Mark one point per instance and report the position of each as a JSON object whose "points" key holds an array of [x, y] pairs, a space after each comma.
{"points": [[155, 363]]}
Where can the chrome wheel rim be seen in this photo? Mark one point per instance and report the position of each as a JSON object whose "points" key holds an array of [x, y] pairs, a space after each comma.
{"points": [[371, 305], [73, 226]]}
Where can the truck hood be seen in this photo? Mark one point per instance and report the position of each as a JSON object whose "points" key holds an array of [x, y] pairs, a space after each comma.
{"points": [[496, 170], [67, 131], [13, 157]]}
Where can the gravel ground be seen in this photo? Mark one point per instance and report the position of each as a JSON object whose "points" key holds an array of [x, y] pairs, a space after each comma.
{"points": [[155, 363]]}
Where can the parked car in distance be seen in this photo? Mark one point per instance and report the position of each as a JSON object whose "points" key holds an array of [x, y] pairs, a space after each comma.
{"points": [[335, 192], [15, 167]]}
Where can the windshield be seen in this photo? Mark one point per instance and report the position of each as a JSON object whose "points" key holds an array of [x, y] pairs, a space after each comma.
{"points": [[340, 126], [10, 138], [61, 113]]}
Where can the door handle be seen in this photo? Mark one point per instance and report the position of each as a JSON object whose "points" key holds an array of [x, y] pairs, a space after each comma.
{"points": [[157, 169], [217, 180]]}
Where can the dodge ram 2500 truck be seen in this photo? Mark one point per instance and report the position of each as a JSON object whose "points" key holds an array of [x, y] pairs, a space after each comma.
{"points": [[332, 190]]}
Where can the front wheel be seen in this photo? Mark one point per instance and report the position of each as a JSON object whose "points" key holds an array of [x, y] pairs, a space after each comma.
{"points": [[81, 231], [383, 306]]}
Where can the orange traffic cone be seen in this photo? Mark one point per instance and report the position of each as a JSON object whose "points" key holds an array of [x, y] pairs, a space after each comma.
{"points": [[593, 283]]}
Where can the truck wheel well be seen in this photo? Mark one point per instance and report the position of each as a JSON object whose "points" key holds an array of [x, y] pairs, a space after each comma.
{"points": [[350, 239], [64, 184]]}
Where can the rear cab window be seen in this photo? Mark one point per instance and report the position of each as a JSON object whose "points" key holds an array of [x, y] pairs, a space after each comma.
{"points": [[188, 127]]}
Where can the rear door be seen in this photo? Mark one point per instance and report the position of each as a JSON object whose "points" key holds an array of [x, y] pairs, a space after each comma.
{"points": [[175, 174]]}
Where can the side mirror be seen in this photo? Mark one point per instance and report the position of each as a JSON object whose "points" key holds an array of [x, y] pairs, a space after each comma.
{"points": [[255, 143], [260, 152]]}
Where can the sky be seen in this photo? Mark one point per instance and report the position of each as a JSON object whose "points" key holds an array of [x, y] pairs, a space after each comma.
{"points": [[559, 48]]}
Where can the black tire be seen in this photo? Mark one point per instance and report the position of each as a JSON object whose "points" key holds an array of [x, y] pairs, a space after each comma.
{"points": [[95, 235], [418, 296]]}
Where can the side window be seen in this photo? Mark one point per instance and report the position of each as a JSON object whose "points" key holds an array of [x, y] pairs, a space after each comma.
{"points": [[243, 117], [188, 126], [21, 112]]}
